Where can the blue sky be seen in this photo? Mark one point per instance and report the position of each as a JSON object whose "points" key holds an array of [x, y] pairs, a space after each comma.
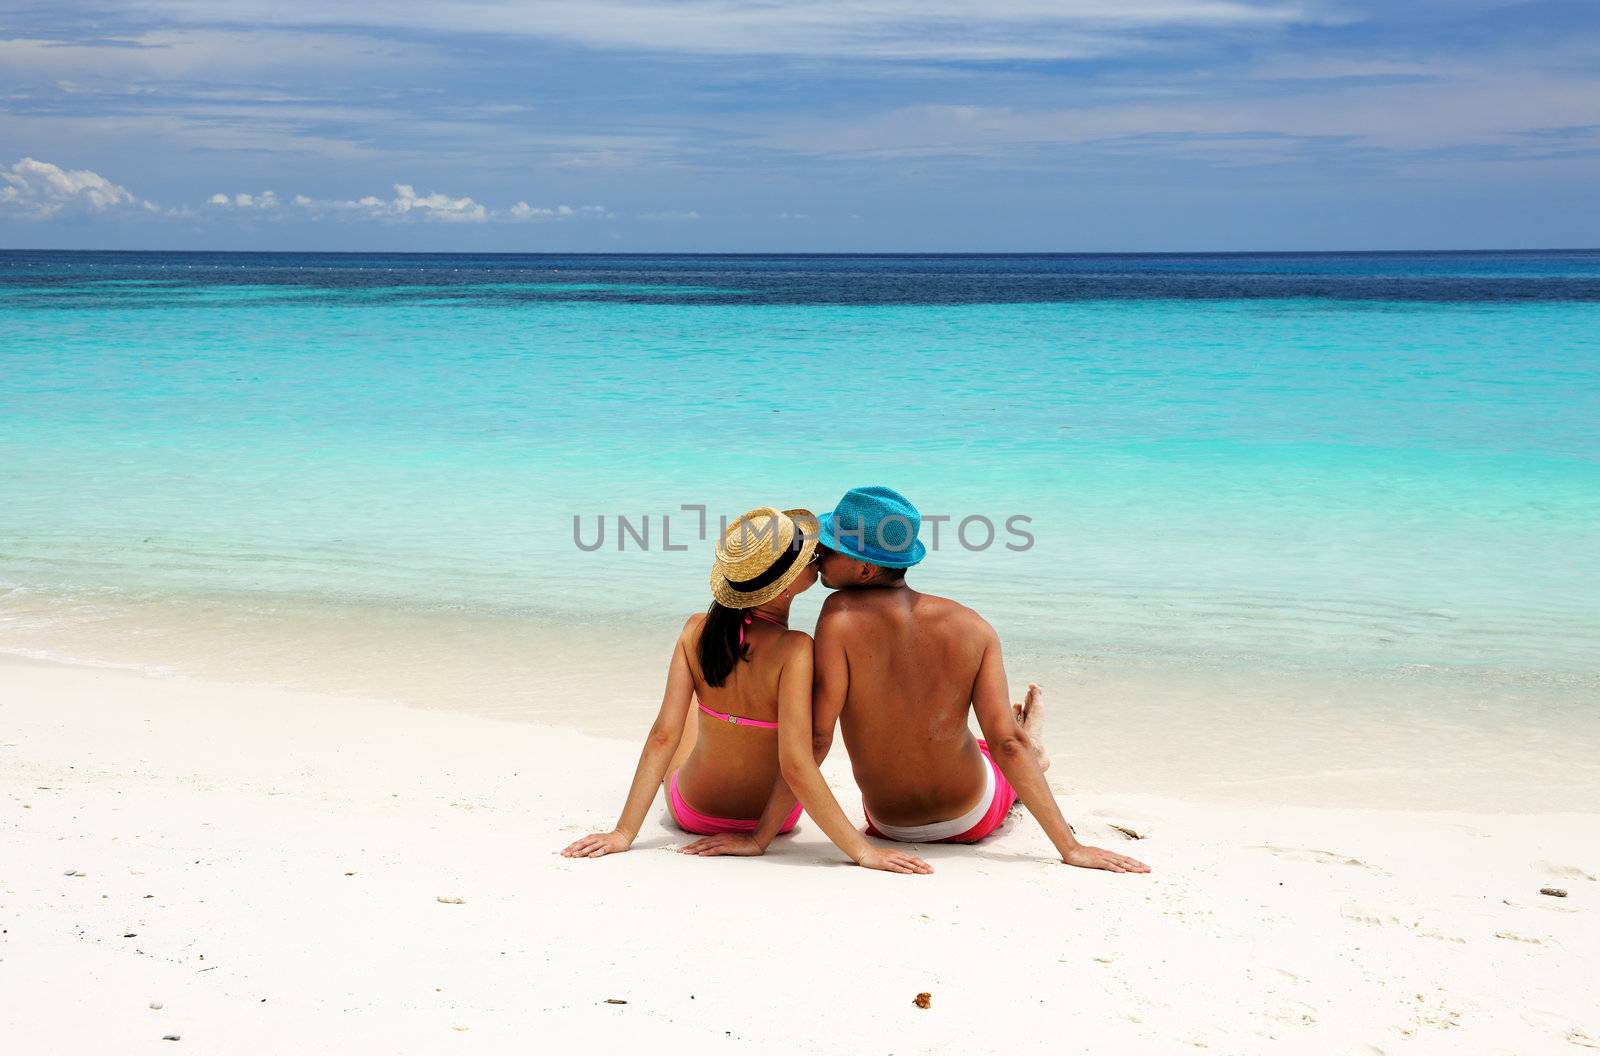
{"points": [[832, 125]]}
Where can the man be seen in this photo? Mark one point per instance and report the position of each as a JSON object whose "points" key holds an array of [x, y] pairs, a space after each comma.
{"points": [[899, 671]]}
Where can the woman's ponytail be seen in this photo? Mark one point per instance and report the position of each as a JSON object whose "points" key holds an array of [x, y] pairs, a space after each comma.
{"points": [[720, 644]]}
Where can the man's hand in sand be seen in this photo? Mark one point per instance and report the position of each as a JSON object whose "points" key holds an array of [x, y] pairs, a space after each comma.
{"points": [[737, 843], [598, 845], [1086, 857]]}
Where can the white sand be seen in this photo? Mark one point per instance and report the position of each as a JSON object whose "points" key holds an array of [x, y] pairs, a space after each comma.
{"points": [[267, 865]]}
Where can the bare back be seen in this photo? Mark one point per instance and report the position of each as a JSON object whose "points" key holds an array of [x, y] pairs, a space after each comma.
{"points": [[913, 660], [732, 767]]}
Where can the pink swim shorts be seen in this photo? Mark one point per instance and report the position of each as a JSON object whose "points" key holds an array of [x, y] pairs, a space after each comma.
{"points": [[990, 820]]}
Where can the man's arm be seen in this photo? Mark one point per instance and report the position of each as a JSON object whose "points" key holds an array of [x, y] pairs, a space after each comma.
{"points": [[1012, 750]]}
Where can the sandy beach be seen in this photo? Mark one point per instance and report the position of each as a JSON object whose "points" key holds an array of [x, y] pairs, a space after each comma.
{"points": [[259, 870]]}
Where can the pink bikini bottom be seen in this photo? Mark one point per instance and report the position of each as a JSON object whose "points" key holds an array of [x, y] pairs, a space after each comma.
{"points": [[691, 820]]}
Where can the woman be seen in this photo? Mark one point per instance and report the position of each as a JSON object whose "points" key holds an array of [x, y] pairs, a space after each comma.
{"points": [[731, 666]]}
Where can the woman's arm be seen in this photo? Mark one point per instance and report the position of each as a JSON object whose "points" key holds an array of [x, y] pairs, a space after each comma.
{"points": [[659, 746]]}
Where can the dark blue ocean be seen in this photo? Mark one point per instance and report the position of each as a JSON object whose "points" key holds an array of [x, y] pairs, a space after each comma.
{"points": [[852, 279]]}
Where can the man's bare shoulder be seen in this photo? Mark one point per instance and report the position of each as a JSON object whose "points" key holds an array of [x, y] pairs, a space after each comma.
{"points": [[840, 604], [934, 608], [861, 605], [846, 609]]}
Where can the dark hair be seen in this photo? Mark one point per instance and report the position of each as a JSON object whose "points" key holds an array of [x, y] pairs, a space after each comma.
{"points": [[720, 648], [890, 575]]}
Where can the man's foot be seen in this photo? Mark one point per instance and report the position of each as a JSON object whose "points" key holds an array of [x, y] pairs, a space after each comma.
{"points": [[1030, 716]]}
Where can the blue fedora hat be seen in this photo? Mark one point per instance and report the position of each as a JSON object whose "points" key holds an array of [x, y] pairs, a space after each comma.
{"points": [[877, 525]]}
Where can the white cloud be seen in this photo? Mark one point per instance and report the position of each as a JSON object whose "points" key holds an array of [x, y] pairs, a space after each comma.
{"points": [[671, 214], [266, 200], [435, 206], [536, 214], [1320, 68], [890, 30], [40, 191], [405, 206], [139, 60], [1486, 109]]}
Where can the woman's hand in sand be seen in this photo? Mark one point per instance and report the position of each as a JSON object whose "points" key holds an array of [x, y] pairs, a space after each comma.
{"points": [[892, 861], [739, 843], [598, 845], [1086, 857]]}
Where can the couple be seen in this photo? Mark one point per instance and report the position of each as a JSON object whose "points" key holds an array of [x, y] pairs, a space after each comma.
{"points": [[750, 705]]}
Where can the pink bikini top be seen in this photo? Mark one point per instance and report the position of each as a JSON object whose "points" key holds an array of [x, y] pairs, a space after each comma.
{"points": [[739, 720], [736, 720]]}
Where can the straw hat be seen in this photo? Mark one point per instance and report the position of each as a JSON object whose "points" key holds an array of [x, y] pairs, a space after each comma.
{"points": [[760, 554]]}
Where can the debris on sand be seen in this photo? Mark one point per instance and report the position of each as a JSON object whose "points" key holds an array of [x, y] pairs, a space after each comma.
{"points": [[616, 1001], [1553, 892], [1132, 834], [447, 900], [923, 1000]]}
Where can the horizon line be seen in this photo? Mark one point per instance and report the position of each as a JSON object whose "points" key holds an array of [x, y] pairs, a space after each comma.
{"points": [[821, 253]]}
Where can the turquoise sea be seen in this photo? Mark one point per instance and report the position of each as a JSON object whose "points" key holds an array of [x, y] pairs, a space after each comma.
{"points": [[1347, 490]]}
